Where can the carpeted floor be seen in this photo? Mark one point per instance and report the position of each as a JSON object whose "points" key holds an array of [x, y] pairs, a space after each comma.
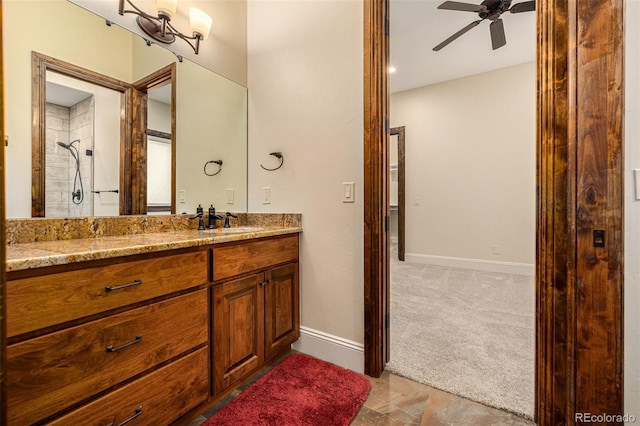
{"points": [[467, 332]]}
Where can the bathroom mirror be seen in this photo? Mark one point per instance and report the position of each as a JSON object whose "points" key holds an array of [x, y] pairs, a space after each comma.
{"points": [[211, 117]]}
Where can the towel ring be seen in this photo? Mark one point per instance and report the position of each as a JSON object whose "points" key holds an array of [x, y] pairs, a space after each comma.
{"points": [[218, 162], [277, 155]]}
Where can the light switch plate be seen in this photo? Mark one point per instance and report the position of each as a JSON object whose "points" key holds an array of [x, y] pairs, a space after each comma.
{"points": [[230, 194], [182, 196], [348, 192], [266, 195]]}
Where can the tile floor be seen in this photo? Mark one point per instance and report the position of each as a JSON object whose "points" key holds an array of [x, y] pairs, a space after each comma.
{"points": [[395, 401]]}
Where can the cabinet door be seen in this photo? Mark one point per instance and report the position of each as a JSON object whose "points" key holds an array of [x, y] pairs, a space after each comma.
{"points": [[238, 330], [281, 305]]}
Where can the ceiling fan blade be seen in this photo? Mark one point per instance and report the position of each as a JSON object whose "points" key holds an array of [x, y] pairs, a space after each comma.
{"points": [[527, 6], [458, 34], [498, 39], [465, 7]]}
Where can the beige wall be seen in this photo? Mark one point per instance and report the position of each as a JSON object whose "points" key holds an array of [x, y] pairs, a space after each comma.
{"points": [[305, 99], [77, 44], [470, 165], [224, 52], [632, 214], [211, 124]]}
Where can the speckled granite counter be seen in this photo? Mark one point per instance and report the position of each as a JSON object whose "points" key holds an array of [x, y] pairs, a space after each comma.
{"points": [[38, 253]]}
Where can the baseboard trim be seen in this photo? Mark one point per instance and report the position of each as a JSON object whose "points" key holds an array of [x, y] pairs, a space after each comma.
{"points": [[478, 264], [343, 352]]}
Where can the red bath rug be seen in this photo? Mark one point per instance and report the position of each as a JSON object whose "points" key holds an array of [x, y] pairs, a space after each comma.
{"points": [[301, 390]]}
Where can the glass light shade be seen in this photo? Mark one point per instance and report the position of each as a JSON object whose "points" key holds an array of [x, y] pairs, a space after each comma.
{"points": [[200, 22], [167, 7]]}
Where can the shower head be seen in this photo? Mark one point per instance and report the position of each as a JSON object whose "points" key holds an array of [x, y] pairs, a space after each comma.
{"points": [[68, 145]]}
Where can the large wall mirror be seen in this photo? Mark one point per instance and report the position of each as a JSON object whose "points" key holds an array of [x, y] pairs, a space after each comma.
{"points": [[208, 121]]}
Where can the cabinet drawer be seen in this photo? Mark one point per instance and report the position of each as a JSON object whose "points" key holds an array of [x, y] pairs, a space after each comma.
{"points": [[54, 371], [232, 260], [158, 398], [42, 301]]}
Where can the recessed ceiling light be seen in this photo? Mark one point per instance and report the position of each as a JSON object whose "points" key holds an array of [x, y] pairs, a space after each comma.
{"points": [[392, 70]]}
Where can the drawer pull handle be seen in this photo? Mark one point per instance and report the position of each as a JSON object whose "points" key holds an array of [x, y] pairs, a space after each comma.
{"points": [[110, 348], [137, 413], [263, 283], [120, 287]]}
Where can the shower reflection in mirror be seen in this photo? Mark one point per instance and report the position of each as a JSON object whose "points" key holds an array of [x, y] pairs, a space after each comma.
{"points": [[81, 150]]}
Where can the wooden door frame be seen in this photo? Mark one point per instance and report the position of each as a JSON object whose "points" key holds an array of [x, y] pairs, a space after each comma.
{"points": [[139, 132], [400, 132], [3, 245], [40, 64], [579, 179]]}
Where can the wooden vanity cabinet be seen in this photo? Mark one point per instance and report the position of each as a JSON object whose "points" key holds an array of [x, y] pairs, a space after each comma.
{"points": [[255, 306], [100, 343]]}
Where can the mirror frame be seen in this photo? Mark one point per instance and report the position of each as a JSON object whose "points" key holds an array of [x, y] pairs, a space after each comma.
{"points": [[40, 64]]}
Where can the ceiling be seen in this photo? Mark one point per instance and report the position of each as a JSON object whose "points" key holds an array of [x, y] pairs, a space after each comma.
{"points": [[416, 26]]}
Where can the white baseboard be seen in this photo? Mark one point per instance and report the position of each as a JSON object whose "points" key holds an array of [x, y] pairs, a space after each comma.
{"points": [[478, 264], [334, 349]]}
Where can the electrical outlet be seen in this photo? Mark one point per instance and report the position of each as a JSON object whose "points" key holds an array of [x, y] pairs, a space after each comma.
{"points": [[495, 250], [230, 194], [266, 195]]}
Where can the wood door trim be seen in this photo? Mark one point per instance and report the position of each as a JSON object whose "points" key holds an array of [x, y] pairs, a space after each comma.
{"points": [[579, 184], [40, 64], [138, 158], [400, 131], [376, 181], [3, 253]]}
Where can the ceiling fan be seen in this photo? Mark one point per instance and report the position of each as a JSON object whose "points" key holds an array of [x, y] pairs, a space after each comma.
{"points": [[489, 9]]}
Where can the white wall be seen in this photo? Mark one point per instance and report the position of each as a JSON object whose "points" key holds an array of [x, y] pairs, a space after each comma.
{"points": [[305, 99], [632, 213], [470, 165], [77, 44]]}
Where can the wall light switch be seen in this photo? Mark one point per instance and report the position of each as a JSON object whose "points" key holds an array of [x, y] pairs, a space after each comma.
{"points": [[348, 192], [230, 193], [182, 196], [266, 195]]}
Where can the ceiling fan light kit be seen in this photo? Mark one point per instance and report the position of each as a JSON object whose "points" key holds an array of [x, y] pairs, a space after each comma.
{"points": [[488, 9]]}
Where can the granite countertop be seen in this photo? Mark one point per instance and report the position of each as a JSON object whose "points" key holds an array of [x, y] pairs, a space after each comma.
{"points": [[49, 253]]}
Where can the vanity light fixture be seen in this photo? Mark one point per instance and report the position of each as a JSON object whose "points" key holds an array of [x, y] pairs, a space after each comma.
{"points": [[159, 27]]}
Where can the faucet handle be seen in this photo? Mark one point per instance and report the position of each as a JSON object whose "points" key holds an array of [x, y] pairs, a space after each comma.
{"points": [[226, 219]]}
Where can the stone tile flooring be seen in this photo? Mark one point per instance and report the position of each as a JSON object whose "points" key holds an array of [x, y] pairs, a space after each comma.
{"points": [[395, 401]]}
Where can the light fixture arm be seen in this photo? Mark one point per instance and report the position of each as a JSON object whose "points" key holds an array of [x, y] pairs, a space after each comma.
{"points": [[159, 27]]}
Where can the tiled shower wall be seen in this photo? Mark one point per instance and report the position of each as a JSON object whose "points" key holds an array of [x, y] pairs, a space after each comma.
{"points": [[81, 125], [57, 192], [65, 125]]}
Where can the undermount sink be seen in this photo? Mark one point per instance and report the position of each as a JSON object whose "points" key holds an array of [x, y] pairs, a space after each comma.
{"points": [[238, 230]]}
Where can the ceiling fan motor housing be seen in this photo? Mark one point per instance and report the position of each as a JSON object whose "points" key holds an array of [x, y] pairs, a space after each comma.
{"points": [[494, 8]]}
